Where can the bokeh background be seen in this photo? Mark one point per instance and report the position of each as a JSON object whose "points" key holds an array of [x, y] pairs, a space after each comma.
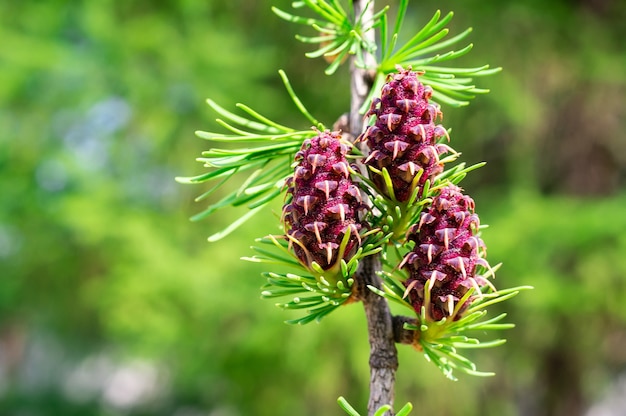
{"points": [[113, 303]]}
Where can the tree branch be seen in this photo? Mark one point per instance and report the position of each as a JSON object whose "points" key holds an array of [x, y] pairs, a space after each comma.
{"points": [[383, 354], [400, 334]]}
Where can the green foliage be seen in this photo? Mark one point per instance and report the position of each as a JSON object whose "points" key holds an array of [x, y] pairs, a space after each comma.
{"points": [[340, 32], [270, 162], [406, 409], [316, 291], [451, 85], [442, 340]]}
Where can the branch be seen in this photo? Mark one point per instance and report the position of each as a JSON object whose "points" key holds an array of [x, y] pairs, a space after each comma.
{"points": [[383, 354], [401, 335], [361, 79]]}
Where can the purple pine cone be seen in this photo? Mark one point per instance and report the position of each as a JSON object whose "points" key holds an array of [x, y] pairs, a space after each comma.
{"points": [[322, 203], [404, 138], [442, 265]]}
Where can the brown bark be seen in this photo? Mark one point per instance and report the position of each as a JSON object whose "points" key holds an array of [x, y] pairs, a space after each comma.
{"points": [[402, 335], [383, 354]]}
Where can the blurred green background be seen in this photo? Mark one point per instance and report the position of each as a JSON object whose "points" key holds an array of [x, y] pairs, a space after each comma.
{"points": [[113, 303]]}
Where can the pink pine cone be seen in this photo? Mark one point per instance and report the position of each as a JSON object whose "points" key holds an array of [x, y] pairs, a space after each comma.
{"points": [[446, 254], [404, 137], [322, 203]]}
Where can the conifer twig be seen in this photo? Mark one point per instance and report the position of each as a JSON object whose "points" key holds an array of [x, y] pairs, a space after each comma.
{"points": [[383, 354]]}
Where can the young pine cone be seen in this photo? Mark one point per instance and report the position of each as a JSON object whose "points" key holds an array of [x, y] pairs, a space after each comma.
{"points": [[442, 265], [322, 203], [404, 138]]}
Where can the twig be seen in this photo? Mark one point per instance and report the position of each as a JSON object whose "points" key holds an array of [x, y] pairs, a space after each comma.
{"points": [[383, 354]]}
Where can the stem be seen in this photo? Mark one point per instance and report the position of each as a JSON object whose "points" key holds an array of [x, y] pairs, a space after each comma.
{"points": [[360, 78], [383, 354]]}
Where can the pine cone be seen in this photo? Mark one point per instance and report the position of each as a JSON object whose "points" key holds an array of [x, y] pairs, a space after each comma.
{"points": [[442, 265], [322, 203], [404, 138]]}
